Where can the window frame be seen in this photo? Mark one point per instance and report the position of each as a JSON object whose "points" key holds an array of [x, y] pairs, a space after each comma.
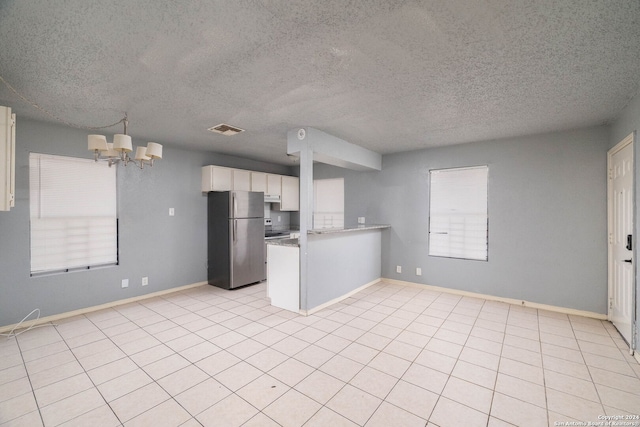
{"points": [[328, 203], [73, 214], [475, 216]]}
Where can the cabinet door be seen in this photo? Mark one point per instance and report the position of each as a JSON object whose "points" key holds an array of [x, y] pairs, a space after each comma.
{"points": [[221, 180], [216, 178], [274, 185], [241, 180], [259, 182], [290, 199], [207, 176]]}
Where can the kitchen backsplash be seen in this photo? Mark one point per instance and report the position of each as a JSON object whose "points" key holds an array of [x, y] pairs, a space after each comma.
{"points": [[279, 219]]}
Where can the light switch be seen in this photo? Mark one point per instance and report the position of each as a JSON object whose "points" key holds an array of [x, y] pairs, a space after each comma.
{"points": [[172, 212]]}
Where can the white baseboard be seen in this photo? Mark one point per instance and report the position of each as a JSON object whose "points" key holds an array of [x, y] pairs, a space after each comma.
{"points": [[335, 300], [513, 301], [55, 317]]}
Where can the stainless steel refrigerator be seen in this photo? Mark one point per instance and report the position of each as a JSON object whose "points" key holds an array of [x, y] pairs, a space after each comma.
{"points": [[235, 238]]}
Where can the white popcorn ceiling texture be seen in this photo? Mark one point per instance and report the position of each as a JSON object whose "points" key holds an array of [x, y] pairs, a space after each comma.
{"points": [[388, 75]]}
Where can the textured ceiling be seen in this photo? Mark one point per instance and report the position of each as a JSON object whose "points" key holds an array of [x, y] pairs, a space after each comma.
{"points": [[388, 75]]}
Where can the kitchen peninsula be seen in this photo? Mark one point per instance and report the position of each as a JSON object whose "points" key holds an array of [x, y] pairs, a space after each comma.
{"points": [[340, 262], [329, 263]]}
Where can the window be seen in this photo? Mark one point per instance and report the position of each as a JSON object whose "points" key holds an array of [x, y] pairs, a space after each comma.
{"points": [[458, 219], [328, 203], [73, 213]]}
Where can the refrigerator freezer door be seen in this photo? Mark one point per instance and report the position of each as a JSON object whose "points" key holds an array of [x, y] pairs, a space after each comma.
{"points": [[246, 204], [247, 251]]}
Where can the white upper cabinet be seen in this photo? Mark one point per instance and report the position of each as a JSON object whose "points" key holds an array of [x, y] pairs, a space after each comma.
{"points": [[219, 178], [274, 185], [241, 180], [290, 199], [216, 178], [259, 181]]}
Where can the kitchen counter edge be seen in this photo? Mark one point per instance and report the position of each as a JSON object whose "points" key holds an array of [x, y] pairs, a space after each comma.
{"points": [[349, 229], [283, 242]]}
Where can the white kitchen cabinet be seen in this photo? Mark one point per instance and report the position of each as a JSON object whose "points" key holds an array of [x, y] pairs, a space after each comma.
{"points": [[219, 178], [241, 180], [290, 198], [216, 178], [274, 185], [283, 277], [259, 181]]}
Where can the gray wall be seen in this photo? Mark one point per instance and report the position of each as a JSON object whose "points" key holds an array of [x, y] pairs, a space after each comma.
{"points": [[629, 121], [547, 217], [340, 263], [171, 251]]}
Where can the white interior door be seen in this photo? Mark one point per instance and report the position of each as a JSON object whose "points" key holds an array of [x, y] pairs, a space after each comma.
{"points": [[621, 241]]}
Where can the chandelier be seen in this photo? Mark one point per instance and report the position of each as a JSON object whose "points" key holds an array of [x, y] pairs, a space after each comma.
{"points": [[118, 150]]}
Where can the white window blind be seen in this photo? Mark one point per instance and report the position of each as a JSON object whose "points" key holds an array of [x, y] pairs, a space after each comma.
{"points": [[328, 203], [73, 213], [458, 218]]}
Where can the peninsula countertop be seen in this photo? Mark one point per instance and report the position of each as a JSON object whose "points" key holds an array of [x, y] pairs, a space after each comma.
{"points": [[283, 242], [349, 229]]}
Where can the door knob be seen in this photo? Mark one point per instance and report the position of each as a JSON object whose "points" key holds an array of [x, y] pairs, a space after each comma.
{"points": [[628, 260]]}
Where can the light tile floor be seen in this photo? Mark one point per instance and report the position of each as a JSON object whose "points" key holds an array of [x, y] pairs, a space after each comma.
{"points": [[390, 355]]}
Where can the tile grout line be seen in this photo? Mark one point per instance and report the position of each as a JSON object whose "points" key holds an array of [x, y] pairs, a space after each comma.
{"points": [[33, 391], [544, 375], [398, 301], [497, 368], [587, 365], [493, 390]]}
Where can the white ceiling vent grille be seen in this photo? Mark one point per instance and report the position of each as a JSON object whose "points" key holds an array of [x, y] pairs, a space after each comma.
{"points": [[225, 129]]}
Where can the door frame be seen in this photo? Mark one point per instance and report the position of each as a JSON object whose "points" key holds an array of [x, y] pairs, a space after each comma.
{"points": [[629, 139]]}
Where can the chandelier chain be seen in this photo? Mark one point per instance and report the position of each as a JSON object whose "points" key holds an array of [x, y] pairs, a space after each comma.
{"points": [[53, 116]]}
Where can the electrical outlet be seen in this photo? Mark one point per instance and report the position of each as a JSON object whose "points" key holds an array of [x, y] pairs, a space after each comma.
{"points": [[145, 281], [125, 283], [418, 271], [279, 218], [360, 220], [398, 269], [172, 212]]}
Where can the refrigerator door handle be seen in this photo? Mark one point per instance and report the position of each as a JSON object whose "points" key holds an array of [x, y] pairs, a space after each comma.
{"points": [[235, 229], [235, 205]]}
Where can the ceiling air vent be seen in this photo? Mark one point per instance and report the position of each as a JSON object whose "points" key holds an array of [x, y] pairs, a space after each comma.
{"points": [[225, 129]]}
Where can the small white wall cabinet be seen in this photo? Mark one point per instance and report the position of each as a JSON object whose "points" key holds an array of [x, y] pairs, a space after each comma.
{"points": [[216, 178], [290, 198], [241, 180], [7, 158], [274, 185], [259, 182]]}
